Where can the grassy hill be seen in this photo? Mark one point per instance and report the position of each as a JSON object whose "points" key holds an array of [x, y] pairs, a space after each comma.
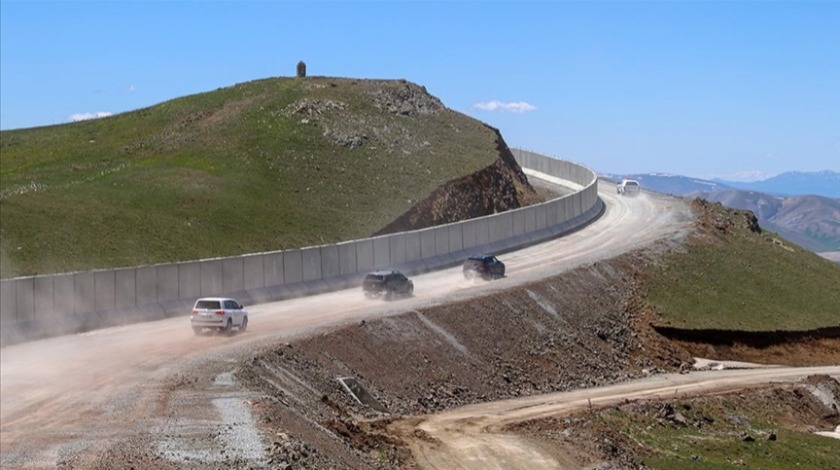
{"points": [[734, 276], [265, 165]]}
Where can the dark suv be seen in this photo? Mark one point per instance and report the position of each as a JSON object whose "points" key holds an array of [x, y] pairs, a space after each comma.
{"points": [[388, 284], [486, 267]]}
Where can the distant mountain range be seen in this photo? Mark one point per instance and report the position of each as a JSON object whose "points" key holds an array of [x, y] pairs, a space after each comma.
{"points": [[794, 183], [802, 207]]}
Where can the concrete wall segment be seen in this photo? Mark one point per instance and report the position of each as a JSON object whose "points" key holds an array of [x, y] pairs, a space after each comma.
{"points": [[254, 271], [273, 269], [44, 297], [292, 267], [540, 217], [550, 213], [456, 237], [8, 302], [104, 288], [381, 252], [427, 243], [519, 222], [413, 250], [441, 240], [501, 226], [146, 285], [25, 299], [330, 264], [233, 274], [211, 281], [189, 280], [161, 288], [64, 293], [347, 263], [396, 248], [84, 293], [468, 234], [364, 255], [482, 231], [125, 288]]}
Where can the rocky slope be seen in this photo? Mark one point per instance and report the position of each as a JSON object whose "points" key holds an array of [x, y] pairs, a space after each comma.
{"points": [[497, 188], [575, 330]]}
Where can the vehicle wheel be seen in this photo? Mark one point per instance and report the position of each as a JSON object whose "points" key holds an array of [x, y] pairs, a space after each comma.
{"points": [[228, 326], [244, 325], [197, 330]]}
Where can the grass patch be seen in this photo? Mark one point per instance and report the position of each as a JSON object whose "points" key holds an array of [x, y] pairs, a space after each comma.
{"points": [[731, 277], [266, 165], [728, 431]]}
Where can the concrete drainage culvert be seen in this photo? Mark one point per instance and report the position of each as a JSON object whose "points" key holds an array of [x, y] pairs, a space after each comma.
{"points": [[355, 389]]}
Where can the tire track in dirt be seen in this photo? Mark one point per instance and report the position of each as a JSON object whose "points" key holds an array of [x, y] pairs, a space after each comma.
{"points": [[473, 437]]}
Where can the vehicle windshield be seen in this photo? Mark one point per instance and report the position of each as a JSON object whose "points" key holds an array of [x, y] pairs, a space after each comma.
{"points": [[208, 304]]}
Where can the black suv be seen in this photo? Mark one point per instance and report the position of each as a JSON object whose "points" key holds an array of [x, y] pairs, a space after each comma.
{"points": [[388, 284], [486, 267]]}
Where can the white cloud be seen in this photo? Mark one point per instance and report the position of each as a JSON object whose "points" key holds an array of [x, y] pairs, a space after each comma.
{"points": [[86, 116], [131, 89], [496, 105]]}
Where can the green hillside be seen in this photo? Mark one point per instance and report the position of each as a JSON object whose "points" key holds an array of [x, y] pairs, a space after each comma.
{"points": [[732, 276], [265, 165]]}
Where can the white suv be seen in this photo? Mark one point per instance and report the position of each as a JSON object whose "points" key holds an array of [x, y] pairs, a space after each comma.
{"points": [[219, 313], [628, 187]]}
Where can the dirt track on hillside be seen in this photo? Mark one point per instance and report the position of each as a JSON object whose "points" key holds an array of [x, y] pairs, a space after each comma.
{"points": [[473, 436], [70, 402]]}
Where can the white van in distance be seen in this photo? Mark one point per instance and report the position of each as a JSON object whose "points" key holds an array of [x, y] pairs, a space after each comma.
{"points": [[628, 187]]}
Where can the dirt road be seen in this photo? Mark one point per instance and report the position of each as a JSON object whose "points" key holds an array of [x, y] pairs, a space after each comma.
{"points": [[70, 397], [473, 436]]}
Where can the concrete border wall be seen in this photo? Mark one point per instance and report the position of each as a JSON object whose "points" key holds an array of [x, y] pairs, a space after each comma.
{"points": [[40, 306]]}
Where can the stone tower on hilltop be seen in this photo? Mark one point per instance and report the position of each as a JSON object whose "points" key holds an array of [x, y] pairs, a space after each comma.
{"points": [[301, 69]]}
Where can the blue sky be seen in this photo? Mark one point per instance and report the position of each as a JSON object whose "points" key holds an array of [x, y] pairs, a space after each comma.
{"points": [[698, 88]]}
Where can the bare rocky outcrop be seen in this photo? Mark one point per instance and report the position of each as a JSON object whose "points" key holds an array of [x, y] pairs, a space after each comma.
{"points": [[406, 99], [500, 187], [725, 219]]}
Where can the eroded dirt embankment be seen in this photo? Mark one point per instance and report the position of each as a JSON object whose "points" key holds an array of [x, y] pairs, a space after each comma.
{"points": [[499, 187], [795, 348], [571, 331], [585, 328]]}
